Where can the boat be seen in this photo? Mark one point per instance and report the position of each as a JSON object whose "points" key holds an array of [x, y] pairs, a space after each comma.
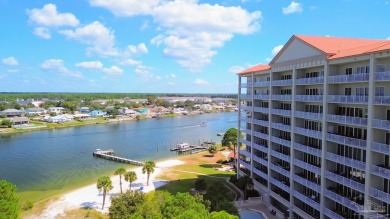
{"points": [[182, 147], [203, 124]]}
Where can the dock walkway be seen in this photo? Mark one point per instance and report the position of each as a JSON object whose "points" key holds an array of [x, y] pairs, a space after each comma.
{"points": [[109, 155]]}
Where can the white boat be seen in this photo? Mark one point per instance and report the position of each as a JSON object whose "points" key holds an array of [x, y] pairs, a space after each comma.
{"points": [[203, 124]]}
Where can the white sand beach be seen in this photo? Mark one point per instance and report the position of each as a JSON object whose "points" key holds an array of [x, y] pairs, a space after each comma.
{"points": [[89, 196]]}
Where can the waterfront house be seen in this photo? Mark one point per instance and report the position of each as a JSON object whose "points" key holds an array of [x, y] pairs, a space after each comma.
{"points": [[20, 120], [205, 107], [35, 111], [97, 113], [84, 109], [81, 116], [142, 110], [59, 118], [128, 112], [12, 112], [180, 111], [57, 110]]}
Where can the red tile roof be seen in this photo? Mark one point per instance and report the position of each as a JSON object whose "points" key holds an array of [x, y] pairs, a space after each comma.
{"points": [[256, 68]]}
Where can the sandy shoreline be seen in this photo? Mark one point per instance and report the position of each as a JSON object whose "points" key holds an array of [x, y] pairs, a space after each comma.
{"points": [[89, 196]]}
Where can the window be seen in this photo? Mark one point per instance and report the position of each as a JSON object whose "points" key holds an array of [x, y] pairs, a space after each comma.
{"points": [[379, 91], [380, 68], [363, 69], [348, 71], [348, 91]]}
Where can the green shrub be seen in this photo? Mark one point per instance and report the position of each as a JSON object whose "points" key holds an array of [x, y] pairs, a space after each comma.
{"points": [[27, 205]]}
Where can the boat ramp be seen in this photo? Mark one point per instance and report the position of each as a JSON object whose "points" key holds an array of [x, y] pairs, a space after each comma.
{"points": [[109, 155]]}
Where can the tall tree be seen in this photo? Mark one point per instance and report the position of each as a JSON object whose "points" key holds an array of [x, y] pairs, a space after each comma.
{"points": [[230, 139], [120, 171], [9, 202], [130, 177], [104, 184], [148, 168]]}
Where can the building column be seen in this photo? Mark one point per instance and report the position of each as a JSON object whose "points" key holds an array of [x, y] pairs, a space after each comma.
{"points": [[292, 153], [239, 124], [370, 117], [271, 78], [323, 137], [252, 126]]}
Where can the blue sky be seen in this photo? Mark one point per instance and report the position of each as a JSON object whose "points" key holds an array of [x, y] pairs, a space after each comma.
{"points": [[161, 46]]}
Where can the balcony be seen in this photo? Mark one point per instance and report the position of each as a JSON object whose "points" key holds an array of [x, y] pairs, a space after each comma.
{"points": [[348, 99], [246, 96], [307, 166], [245, 85], [246, 142], [246, 108], [280, 155], [307, 183], [261, 96], [245, 164], [346, 161], [261, 109], [261, 135], [307, 200], [304, 81], [308, 132], [349, 203], [281, 141], [260, 147], [279, 169], [382, 76], [347, 120], [353, 142], [281, 97], [260, 173], [308, 115], [331, 214], [282, 82], [344, 181], [278, 196], [337, 79], [260, 122], [309, 98], [281, 112], [304, 213], [379, 147], [260, 160], [245, 153], [382, 100], [381, 124], [378, 194], [381, 171], [307, 149], [281, 126], [261, 84], [247, 131], [280, 184]]}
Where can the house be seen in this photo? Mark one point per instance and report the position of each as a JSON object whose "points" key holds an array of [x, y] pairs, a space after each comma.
{"points": [[59, 118], [97, 113], [219, 107], [84, 109], [205, 107], [159, 109], [143, 110], [82, 116], [12, 112], [57, 110], [20, 120], [180, 111], [128, 112], [35, 111]]}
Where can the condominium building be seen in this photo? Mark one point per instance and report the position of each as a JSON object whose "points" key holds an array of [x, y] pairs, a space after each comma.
{"points": [[316, 128]]}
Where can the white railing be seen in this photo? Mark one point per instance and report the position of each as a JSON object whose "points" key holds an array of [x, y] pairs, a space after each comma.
{"points": [[261, 96], [308, 132], [307, 149], [382, 100], [280, 170], [346, 161], [382, 76], [379, 147], [246, 96], [281, 126], [344, 181], [380, 171], [382, 124], [309, 98], [331, 214], [261, 84], [344, 201], [244, 85], [260, 122], [281, 97], [302, 81], [260, 173], [353, 142], [245, 164], [282, 82], [308, 115], [281, 112], [246, 142], [245, 153], [281, 141], [348, 78], [307, 166], [307, 200], [347, 99], [259, 147], [383, 196], [261, 135], [260, 160], [280, 155], [307, 183], [247, 108], [347, 119], [261, 109], [280, 184]]}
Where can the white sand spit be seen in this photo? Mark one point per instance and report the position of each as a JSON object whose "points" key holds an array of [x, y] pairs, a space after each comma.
{"points": [[89, 196]]}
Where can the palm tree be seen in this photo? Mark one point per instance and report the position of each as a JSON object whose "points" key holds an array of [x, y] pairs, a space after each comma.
{"points": [[130, 177], [120, 171], [104, 184], [148, 168]]}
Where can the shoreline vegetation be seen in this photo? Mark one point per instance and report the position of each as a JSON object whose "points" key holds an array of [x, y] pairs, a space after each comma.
{"points": [[176, 174]]}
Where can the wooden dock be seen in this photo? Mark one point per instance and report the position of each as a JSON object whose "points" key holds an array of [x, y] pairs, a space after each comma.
{"points": [[184, 147], [109, 155]]}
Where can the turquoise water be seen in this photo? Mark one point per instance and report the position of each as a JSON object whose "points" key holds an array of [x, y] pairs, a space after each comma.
{"points": [[250, 215], [56, 159]]}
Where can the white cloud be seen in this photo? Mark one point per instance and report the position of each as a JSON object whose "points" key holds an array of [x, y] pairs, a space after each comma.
{"points": [[100, 39], [137, 50], [57, 66], [10, 61], [42, 32], [293, 7], [199, 81], [145, 25], [236, 68], [172, 75], [13, 70], [114, 70], [49, 17], [130, 62], [276, 49], [171, 83], [191, 31], [94, 65], [144, 74]]}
